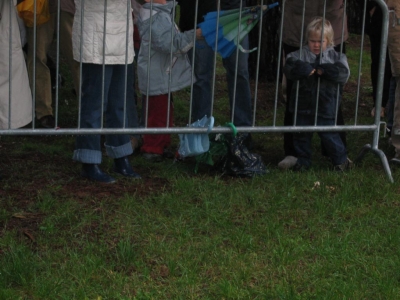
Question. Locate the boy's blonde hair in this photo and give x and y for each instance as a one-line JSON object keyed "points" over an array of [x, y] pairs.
{"points": [[318, 25]]}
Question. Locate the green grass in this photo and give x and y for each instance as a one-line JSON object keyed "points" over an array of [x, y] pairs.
{"points": [[180, 235], [276, 236]]}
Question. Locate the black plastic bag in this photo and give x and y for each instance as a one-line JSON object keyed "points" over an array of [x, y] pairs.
{"points": [[231, 155], [240, 161]]}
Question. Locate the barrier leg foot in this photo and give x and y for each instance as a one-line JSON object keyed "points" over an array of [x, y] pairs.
{"points": [[382, 157], [385, 163], [362, 153]]}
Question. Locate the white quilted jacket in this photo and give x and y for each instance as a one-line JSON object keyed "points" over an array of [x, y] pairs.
{"points": [[118, 44]]}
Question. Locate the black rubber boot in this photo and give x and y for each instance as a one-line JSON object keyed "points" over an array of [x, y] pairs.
{"points": [[93, 172], [123, 167]]}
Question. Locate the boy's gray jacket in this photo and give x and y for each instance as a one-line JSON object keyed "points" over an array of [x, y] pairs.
{"points": [[335, 73], [160, 62]]}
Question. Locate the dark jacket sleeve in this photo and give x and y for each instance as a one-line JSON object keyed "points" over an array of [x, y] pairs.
{"points": [[296, 69], [336, 72]]}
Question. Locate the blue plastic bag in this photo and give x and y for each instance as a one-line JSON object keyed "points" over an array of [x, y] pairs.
{"points": [[192, 144]]}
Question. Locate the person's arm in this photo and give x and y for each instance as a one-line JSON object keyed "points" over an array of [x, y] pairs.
{"points": [[337, 72], [296, 69], [182, 42]]}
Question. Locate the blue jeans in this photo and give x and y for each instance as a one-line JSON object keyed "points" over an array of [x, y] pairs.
{"points": [[331, 141], [131, 106], [88, 147], [203, 69], [131, 100]]}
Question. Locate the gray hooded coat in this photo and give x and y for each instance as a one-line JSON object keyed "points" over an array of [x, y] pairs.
{"points": [[160, 61]]}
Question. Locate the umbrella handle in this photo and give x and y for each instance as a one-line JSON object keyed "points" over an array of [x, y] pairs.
{"points": [[234, 130], [246, 50]]}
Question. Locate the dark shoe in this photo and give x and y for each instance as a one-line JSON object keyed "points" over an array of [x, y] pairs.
{"points": [[47, 121], [299, 167], [93, 172], [347, 165], [123, 167], [153, 157]]}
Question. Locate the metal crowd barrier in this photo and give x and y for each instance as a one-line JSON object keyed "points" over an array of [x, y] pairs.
{"points": [[273, 128]]}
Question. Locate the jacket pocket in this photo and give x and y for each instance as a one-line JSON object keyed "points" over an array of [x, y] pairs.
{"points": [[115, 39]]}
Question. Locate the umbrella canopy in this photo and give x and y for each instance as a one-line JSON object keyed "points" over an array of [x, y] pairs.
{"points": [[230, 26]]}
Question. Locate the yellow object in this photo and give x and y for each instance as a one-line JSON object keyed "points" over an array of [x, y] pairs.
{"points": [[26, 11]]}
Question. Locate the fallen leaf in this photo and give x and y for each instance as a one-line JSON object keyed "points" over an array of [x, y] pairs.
{"points": [[19, 216], [317, 184], [30, 236]]}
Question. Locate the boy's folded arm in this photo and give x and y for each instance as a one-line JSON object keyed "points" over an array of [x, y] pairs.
{"points": [[336, 72], [296, 69]]}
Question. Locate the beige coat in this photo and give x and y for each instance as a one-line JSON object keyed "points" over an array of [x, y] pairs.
{"points": [[394, 53], [116, 36], [394, 35], [21, 98], [293, 18]]}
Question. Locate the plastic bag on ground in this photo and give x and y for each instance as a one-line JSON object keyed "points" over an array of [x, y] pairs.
{"points": [[240, 161], [231, 155]]}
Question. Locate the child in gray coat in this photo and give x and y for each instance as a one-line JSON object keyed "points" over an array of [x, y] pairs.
{"points": [[156, 68]]}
